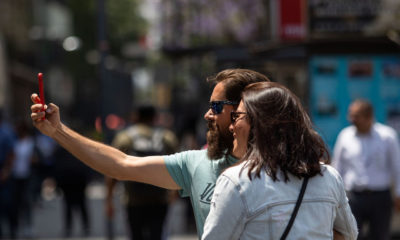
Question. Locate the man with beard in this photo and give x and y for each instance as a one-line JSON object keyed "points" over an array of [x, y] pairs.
{"points": [[193, 173]]}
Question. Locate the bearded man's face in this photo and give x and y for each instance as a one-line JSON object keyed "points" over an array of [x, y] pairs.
{"points": [[218, 142], [219, 138]]}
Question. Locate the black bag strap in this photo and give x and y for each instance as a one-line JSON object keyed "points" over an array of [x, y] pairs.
{"points": [[296, 208]]}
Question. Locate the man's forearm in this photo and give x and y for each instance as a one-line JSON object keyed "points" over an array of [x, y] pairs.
{"points": [[104, 159]]}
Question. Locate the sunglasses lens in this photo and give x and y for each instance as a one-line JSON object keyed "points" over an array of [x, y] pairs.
{"points": [[235, 116], [216, 107]]}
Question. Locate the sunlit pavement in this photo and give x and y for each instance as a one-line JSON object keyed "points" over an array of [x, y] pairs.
{"points": [[48, 217]]}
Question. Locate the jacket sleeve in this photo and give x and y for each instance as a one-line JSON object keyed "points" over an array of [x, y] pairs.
{"points": [[227, 215], [345, 222]]}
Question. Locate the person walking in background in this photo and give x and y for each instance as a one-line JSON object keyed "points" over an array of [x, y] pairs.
{"points": [[194, 173], [367, 155], [7, 206], [146, 205], [72, 177], [21, 175], [281, 159], [43, 166]]}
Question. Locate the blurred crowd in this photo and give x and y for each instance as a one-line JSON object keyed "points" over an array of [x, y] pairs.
{"points": [[26, 160], [32, 164]]}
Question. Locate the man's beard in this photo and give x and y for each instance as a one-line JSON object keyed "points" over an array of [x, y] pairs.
{"points": [[219, 144]]}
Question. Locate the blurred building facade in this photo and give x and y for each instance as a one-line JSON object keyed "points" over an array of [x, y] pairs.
{"points": [[327, 52]]}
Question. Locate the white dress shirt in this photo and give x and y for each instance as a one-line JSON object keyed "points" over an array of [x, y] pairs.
{"points": [[368, 161]]}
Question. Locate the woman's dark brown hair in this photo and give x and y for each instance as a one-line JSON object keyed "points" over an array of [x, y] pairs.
{"points": [[281, 136]]}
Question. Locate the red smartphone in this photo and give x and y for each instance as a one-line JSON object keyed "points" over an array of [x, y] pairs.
{"points": [[41, 90]]}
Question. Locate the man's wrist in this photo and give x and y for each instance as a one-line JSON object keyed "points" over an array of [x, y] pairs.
{"points": [[58, 130]]}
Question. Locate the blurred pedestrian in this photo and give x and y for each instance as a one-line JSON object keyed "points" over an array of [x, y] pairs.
{"points": [[44, 164], [367, 155], [194, 173], [146, 205], [72, 178], [7, 206], [21, 174], [281, 171]]}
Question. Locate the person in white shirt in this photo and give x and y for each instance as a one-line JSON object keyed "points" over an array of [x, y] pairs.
{"points": [[280, 153], [367, 155]]}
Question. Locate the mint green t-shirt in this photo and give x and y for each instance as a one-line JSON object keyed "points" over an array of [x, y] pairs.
{"points": [[196, 174]]}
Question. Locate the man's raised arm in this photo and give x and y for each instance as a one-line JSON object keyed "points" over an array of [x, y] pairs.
{"points": [[102, 158]]}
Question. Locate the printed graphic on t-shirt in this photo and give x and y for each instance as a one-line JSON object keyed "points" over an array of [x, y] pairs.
{"points": [[207, 194]]}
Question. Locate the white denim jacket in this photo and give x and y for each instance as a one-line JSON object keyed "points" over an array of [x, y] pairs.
{"points": [[261, 208]]}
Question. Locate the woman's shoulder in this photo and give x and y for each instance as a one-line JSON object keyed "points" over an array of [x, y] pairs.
{"points": [[328, 169], [330, 173], [235, 171], [239, 175]]}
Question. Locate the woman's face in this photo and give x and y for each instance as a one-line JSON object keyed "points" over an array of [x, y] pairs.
{"points": [[240, 127]]}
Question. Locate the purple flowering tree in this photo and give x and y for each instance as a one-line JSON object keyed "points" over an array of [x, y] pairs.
{"points": [[198, 23]]}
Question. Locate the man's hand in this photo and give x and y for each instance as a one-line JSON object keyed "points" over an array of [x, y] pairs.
{"points": [[337, 235], [109, 205], [4, 174], [397, 204], [51, 115], [109, 208]]}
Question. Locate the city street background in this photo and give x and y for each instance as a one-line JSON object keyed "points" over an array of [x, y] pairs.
{"points": [[48, 217], [101, 59]]}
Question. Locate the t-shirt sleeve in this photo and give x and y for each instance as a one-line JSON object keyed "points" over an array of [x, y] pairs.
{"points": [[177, 166]]}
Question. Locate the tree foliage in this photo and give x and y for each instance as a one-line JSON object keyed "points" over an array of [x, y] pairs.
{"points": [[123, 22]]}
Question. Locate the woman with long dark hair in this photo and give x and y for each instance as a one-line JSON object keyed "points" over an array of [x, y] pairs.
{"points": [[282, 186]]}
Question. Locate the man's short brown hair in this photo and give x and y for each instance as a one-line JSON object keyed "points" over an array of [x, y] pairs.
{"points": [[235, 80]]}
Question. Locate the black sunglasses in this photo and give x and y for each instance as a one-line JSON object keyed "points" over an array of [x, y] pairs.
{"points": [[235, 115], [217, 106]]}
